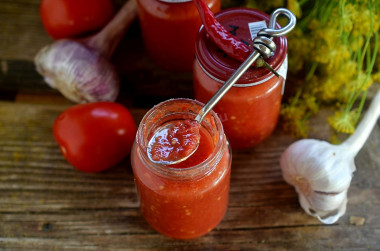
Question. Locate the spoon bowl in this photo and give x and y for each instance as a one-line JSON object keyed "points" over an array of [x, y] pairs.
{"points": [[174, 142]]}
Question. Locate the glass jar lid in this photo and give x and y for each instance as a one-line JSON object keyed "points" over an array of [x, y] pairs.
{"points": [[237, 21]]}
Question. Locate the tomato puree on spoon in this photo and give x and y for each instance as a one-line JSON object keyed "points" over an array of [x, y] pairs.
{"points": [[177, 140]]}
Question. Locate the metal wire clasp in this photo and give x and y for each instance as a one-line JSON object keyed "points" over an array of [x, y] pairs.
{"points": [[263, 42]]}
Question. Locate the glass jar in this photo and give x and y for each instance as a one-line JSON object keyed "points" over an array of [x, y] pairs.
{"points": [[188, 199], [249, 111], [169, 29]]}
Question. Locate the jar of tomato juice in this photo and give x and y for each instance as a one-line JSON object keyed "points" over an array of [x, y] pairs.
{"points": [[169, 29], [250, 109], [188, 199]]}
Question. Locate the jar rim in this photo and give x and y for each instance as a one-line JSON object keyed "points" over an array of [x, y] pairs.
{"points": [[144, 134], [215, 63]]}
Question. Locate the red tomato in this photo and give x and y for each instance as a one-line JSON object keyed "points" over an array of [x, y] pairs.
{"points": [[95, 136], [71, 18]]}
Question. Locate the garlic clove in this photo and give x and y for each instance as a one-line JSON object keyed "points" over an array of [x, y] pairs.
{"points": [[327, 208], [80, 74]]}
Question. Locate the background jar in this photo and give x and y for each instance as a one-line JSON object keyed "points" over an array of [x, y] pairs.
{"points": [[178, 201], [169, 29], [250, 109]]}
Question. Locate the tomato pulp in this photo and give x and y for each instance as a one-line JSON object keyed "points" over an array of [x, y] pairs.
{"points": [[249, 114], [169, 30], [249, 111], [188, 199], [175, 141]]}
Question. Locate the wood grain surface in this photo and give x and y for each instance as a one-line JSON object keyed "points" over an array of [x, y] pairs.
{"points": [[46, 204]]}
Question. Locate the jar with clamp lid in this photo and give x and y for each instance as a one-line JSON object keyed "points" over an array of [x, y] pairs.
{"points": [[250, 110]]}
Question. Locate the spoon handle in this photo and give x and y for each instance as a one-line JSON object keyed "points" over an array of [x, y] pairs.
{"points": [[265, 46], [227, 85]]}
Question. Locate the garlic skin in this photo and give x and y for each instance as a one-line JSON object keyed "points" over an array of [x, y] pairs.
{"points": [[321, 172], [80, 74]]}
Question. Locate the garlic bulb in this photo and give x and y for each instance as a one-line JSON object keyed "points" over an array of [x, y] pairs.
{"points": [[79, 73], [80, 69], [321, 172]]}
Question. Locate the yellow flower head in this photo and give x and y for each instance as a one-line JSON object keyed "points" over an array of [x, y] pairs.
{"points": [[311, 103], [314, 24], [337, 57], [297, 128], [363, 23], [295, 7], [361, 83], [343, 121], [349, 17], [331, 52], [328, 34], [329, 89]]}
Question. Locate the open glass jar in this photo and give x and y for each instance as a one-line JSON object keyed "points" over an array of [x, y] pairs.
{"points": [[169, 29], [188, 199], [249, 111]]}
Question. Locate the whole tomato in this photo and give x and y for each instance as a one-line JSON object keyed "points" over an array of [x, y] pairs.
{"points": [[71, 18], [95, 136]]}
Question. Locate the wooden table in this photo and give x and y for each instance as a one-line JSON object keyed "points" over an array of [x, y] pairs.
{"points": [[45, 204]]}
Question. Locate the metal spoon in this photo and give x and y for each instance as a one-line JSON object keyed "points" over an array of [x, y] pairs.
{"points": [[264, 46]]}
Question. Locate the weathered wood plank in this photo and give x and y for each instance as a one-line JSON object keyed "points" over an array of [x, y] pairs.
{"points": [[292, 238], [45, 204]]}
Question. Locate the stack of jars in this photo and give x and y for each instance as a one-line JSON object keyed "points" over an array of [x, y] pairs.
{"points": [[189, 199]]}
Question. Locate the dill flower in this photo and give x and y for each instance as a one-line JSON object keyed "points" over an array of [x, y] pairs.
{"points": [[294, 6], [292, 120], [313, 24], [343, 121], [329, 89], [293, 112], [265, 5], [340, 54], [303, 47], [333, 60], [363, 22], [297, 128], [362, 83], [311, 103], [348, 16], [344, 45]]}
